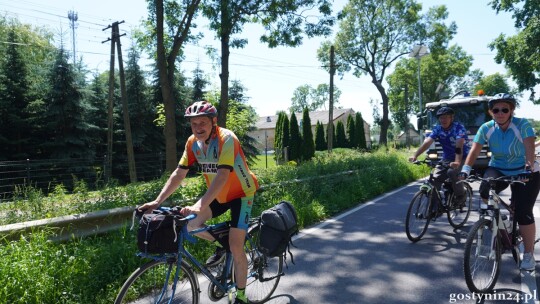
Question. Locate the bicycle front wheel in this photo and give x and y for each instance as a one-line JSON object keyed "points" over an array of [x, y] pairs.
{"points": [[418, 216], [458, 213], [264, 272], [149, 285], [481, 260]]}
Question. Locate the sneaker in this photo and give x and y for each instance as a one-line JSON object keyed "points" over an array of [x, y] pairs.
{"points": [[528, 262], [238, 301], [216, 258]]}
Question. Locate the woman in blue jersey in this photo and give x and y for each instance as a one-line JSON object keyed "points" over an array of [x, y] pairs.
{"points": [[511, 142]]}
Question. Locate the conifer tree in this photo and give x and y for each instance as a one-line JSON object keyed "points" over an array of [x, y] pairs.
{"points": [[320, 142], [295, 141], [14, 88], [285, 137], [351, 130], [360, 132], [308, 145], [341, 139]]}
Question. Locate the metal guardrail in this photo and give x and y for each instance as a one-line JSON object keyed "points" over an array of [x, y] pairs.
{"points": [[103, 221]]}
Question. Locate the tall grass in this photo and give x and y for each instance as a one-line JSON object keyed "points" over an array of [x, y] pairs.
{"points": [[34, 269]]}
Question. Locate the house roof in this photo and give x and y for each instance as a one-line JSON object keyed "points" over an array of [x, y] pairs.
{"points": [[269, 122]]}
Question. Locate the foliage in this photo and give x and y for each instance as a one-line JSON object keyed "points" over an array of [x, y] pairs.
{"points": [[242, 119], [437, 71], [295, 141], [284, 22], [320, 142], [199, 83], [520, 52], [167, 28], [373, 34], [308, 145], [341, 138], [306, 96], [92, 269], [360, 132], [351, 132]]}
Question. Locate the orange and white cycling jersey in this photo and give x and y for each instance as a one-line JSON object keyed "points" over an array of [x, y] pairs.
{"points": [[223, 151]]}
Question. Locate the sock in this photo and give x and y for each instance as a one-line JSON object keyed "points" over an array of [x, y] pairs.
{"points": [[241, 294], [217, 244]]}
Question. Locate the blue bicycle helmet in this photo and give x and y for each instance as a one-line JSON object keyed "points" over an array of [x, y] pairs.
{"points": [[502, 97], [445, 111]]}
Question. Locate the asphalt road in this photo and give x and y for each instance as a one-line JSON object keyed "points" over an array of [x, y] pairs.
{"points": [[364, 256]]}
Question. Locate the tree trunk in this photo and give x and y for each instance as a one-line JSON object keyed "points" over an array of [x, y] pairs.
{"points": [[224, 76], [383, 138]]}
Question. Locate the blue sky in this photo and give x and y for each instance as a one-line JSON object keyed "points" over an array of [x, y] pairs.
{"points": [[270, 75]]}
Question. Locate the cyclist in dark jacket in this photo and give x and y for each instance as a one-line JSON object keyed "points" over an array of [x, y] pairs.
{"points": [[452, 136]]}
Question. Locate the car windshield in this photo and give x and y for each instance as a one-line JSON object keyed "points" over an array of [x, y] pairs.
{"points": [[472, 116]]}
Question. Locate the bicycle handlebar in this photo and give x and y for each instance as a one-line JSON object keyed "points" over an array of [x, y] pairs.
{"points": [[510, 179]]}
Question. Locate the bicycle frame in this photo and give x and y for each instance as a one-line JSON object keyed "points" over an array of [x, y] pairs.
{"points": [[186, 235]]}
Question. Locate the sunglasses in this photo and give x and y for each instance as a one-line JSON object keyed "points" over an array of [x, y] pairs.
{"points": [[504, 110]]}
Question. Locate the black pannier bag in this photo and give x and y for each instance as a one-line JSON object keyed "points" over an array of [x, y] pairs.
{"points": [[278, 225], [158, 233]]}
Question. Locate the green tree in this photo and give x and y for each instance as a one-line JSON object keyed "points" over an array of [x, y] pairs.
{"points": [[521, 52], [98, 101], [341, 138], [295, 152], [306, 96], [360, 131], [351, 131], [284, 21], [175, 18], [320, 142], [437, 71], [285, 137], [308, 145], [373, 34], [14, 99], [63, 120], [494, 84], [278, 133], [199, 83]]}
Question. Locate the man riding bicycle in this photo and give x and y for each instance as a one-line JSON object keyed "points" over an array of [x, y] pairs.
{"points": [[231, 185], [452, 136]]}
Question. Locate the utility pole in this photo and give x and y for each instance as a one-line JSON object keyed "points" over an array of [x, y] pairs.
{"points": [[115, 39], [72, 16], [330, 127]]}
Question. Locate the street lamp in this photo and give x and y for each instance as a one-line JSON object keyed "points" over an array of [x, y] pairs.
{"points": [[418, 52]]}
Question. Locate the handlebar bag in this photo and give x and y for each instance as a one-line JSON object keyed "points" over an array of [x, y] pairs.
{"points": [[157, 234]]}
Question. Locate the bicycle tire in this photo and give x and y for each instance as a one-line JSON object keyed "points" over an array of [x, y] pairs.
{"points": [[145, 284], [418, 216], [264, 272], [458, 215], [480, 267]]}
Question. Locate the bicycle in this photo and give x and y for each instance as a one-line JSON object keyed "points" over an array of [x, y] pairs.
{"points": [[430, 203], [491, 236], [170, 278]]}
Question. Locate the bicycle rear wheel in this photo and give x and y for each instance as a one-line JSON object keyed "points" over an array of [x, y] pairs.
{"points": [[148, 285], [264, 272], [458, 214], [418, 216], [480, 261]]}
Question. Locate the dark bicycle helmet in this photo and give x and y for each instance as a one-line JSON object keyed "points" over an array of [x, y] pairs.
{"points": [[445, 111], [201, 108], [502, 97]]}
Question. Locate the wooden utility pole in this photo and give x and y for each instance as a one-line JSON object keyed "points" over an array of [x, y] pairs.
{"points": [[115, 39], [330, 127]]}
